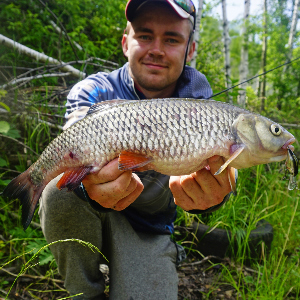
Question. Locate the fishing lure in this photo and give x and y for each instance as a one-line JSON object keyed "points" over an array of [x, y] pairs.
{"points": [[291, 164]]}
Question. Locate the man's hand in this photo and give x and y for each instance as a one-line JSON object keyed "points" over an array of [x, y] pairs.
{"points": [[113, 188], [201, 189]]}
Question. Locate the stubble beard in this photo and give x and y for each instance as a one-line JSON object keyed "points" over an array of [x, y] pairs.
{"points": [[158, 84]]}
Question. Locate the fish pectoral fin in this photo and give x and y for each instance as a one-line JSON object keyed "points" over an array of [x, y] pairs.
{"points": [[232, 176], [73, 177], [133, 161], [235, 154]]}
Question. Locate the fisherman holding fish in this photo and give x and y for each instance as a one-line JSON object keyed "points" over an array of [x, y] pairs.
{"points": [[129, 215]]}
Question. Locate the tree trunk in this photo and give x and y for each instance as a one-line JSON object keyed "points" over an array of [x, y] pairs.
{"points": [[197, 32], [262, 82], [226, 51], [292, 34], [289, 53], [244, 56], [40, 56]]}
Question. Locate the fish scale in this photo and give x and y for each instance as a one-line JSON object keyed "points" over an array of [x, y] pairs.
{"points": [[149, 130], [170, 136]]}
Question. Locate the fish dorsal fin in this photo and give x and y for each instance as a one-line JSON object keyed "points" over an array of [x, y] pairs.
{"points": [[104, 105], [234, 155]]}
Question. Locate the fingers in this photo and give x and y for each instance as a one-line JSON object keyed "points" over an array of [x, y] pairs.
{"points": [[113, 188], [109, 172], [202, 189], [181, 198], [126, 201], [208, 181]]}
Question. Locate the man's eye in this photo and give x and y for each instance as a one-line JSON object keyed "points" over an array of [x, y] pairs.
{"points": [[172, 41], [144, 37]]}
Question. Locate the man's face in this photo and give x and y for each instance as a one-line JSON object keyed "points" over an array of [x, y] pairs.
{"points": [[155, 47]]}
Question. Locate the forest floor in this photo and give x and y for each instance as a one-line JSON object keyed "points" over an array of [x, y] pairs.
{"points": [[198, 279]]}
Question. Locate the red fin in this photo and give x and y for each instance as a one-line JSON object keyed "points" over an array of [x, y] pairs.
{"points": [[133, 161], [72, 177]]}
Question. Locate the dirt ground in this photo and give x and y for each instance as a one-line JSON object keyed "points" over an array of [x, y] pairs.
{"points": [[198, 279]]}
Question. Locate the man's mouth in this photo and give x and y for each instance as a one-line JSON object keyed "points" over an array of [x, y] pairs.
{"points": [[155, 66]]}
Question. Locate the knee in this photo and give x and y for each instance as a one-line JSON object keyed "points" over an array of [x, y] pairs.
{"points": [[53, 200]]}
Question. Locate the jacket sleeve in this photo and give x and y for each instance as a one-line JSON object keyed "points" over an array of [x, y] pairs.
{"points": [[84, 94]]}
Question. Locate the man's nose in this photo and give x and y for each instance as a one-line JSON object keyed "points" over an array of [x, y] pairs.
{"points": [[157, 48]]}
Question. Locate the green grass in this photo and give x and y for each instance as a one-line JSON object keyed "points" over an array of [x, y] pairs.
{"points": [[261, 194]]}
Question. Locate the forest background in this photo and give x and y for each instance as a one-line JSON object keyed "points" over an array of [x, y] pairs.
{"points": [[86, 35]]}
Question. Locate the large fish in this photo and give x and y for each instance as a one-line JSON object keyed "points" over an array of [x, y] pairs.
{"points": [[170, 136]]}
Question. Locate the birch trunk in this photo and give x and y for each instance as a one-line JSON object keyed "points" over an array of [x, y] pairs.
{"points": [[292, 34], [263, 81], [197, 32], [281, 91], [39, 56], [226, 51], [244, 57]]}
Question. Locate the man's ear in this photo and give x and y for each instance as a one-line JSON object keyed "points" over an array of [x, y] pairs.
{"points": [[124, 44], [191, 51]]}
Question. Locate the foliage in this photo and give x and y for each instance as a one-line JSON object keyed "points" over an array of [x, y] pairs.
{"points": [[29, 116], [98, 28]]}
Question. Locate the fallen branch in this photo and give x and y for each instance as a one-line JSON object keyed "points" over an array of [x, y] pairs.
{"points": [[249, 270], [16, 216], [10, 170], [27, 79], [12, 67], [56, 126], [51, 124], [39, 56], [33, 276], [8, 137], [60, 66], [88, 60], [202, 261], [290, 125], [41, 104]]}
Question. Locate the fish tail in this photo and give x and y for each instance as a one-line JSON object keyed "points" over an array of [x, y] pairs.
{"points": [[23, 189]]}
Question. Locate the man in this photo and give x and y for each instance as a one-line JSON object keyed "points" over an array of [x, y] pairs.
{"points": [[129, 216]]}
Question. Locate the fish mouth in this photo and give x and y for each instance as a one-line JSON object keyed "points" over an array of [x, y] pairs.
{"points": [[289, 143]]}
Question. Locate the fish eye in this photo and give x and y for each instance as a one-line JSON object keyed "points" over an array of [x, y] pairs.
{"points": [[275, 129]]}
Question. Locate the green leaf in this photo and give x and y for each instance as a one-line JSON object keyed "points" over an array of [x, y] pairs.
{"points": [[45, 256], [4, 182], [4, 127], [14, 133], [3, 162], [249, 279], [2, 94], [5, 106]]}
